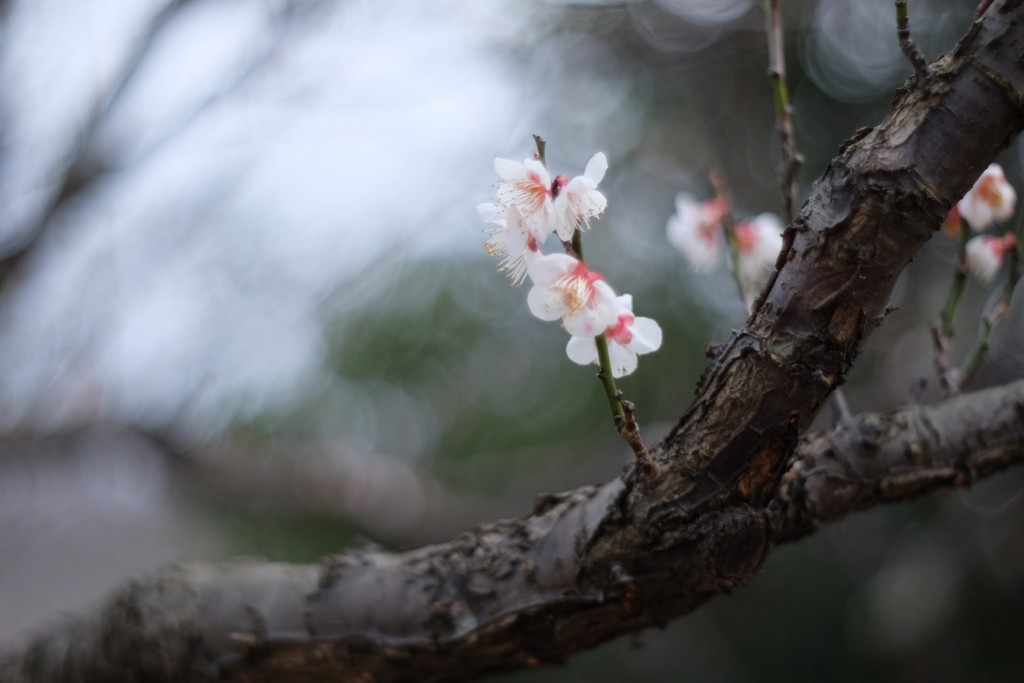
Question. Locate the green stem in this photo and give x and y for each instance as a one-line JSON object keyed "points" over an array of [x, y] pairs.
{"points": [[956, 288], [980, 347], [607, 379], [901, 11], [996, 313], [577, 244], [603, 359]]}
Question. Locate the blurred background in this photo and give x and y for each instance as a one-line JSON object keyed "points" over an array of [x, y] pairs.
{"points": [[244, 307]]}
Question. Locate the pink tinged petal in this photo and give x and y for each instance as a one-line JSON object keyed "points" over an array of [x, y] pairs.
{"points": [[596, 168], [538, 173], [991, 198], [622, 331], [581, 350], [646, 335], [623, 360], [984, 257]]}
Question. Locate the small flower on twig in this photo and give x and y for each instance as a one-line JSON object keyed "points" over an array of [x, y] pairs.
{"points": [[696, 230], [985, 255], [563, 287], [991, 199], [629, 337]]}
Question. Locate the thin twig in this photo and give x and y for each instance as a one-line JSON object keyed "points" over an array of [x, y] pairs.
{"points": [[791, 160], [995, 314], [720, 186], [956, 287], [907, 44], [621, 410], [629, 430], [541, 144], [949, 376]]}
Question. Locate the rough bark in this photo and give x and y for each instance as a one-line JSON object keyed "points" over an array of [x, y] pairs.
{"points": [[481, 602], [602, 561]]}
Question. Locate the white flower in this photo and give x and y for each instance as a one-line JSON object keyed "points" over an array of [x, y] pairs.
{"points": [[629, 337], [991, 199], [563, 287], [560, 205], [985, 255], [527, 187], [758, 242], [510, 241], [695, 229], [577, 200]]}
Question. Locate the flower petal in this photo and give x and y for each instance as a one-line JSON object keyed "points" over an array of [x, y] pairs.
{"points": [[596, 167], [508, 169], [545, 303], [646, 335], [623, 360], [586, 322], [581, 350], [492, 213], [550, 268]]}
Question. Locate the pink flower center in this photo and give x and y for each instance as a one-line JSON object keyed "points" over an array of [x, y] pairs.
{"points": [[558, 184], [988, 191], [711, 214], [530, 193], [746, 236], [577, 287], [1000, 245], [621, 331]]}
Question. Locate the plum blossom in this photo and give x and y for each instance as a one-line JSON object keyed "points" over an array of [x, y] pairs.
{"points": [[579, 200], [696, 230], [563, 287], [985, 254], [628, 337], [758, 241], [528, 187], [560, 205], [991, 199], [510, 241]]}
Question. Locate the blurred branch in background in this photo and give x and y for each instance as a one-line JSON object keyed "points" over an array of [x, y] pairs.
{"points": [[81, 167], [86, 163]]}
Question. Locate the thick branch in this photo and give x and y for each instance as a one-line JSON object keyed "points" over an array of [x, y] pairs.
{"points": [[879, 458], [492, 599]]}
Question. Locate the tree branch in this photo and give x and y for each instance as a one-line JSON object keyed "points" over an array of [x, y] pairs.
{"points": [[880, 458], [494, 598], [598, 562]]}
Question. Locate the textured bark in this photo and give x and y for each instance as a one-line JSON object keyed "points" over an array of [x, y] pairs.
{"points": [[482, 602], [602, 561]]}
